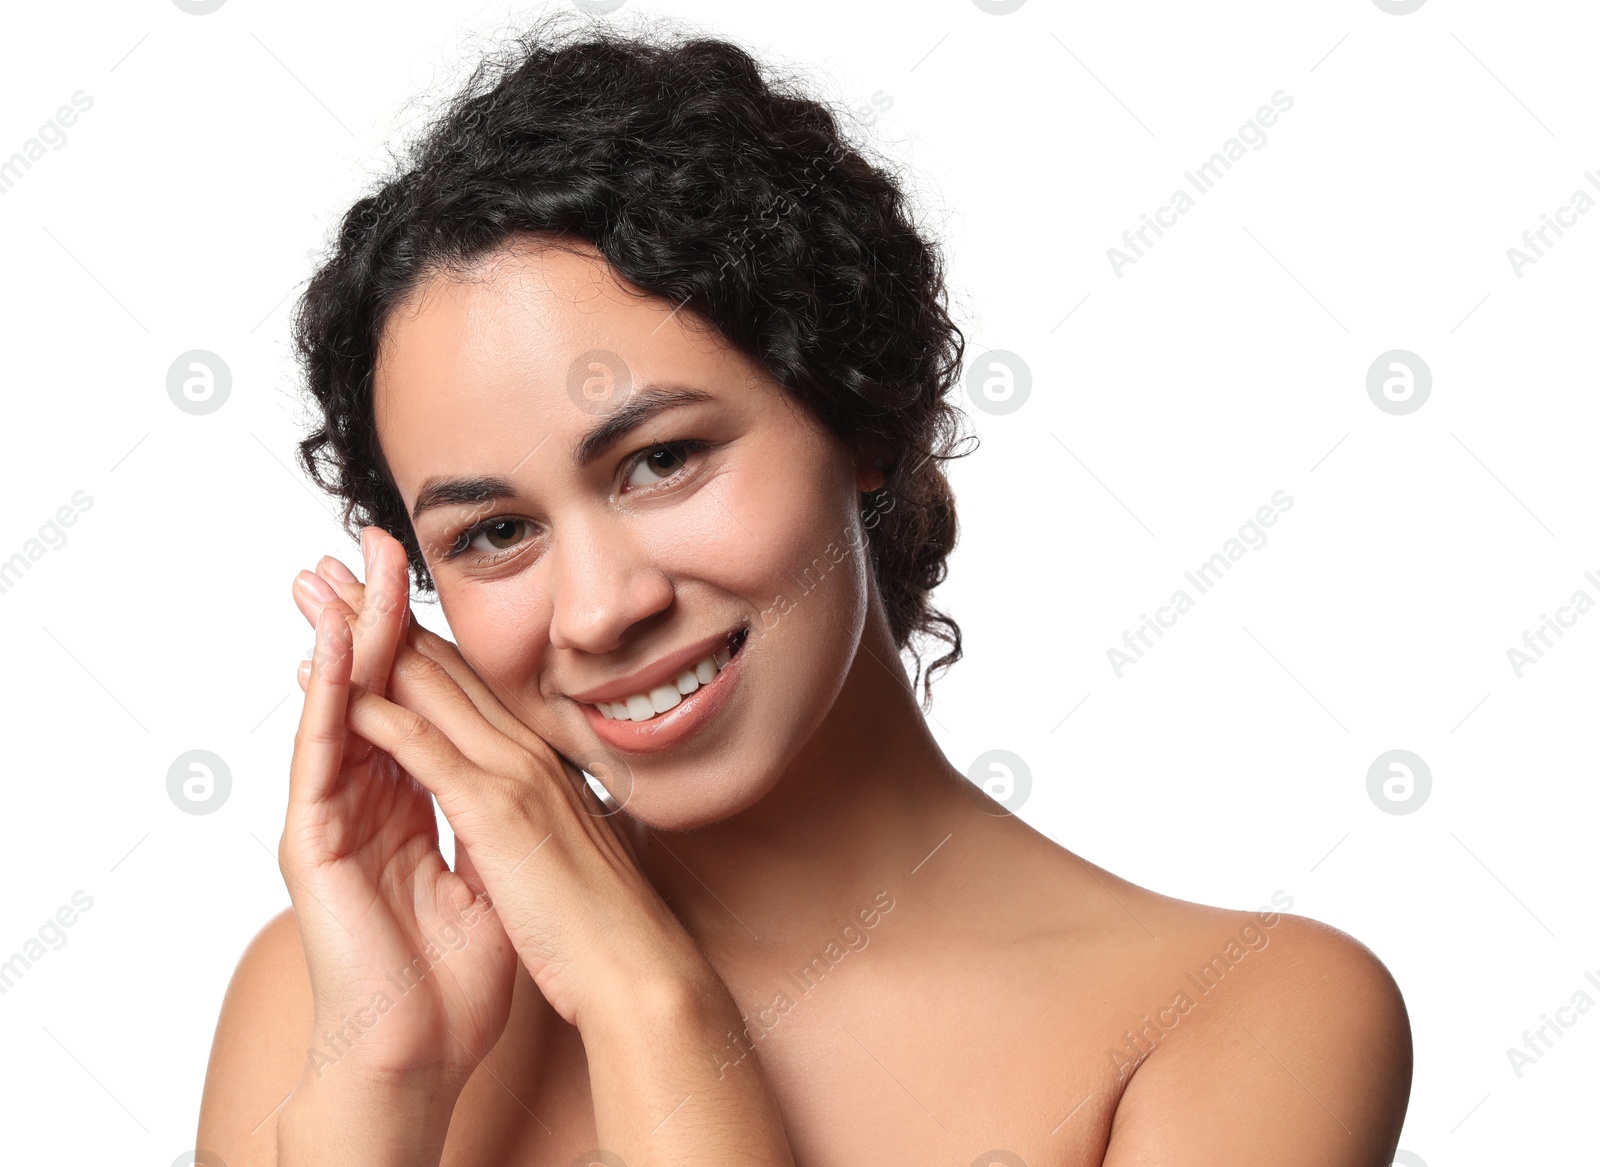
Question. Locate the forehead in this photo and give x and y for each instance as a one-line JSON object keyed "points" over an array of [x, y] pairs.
{"points": [[476, 368]]}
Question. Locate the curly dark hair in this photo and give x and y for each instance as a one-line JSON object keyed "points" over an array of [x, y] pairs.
{"points": [[706, 185]]}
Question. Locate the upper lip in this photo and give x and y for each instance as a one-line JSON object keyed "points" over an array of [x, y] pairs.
{"points": [[661, 671]]}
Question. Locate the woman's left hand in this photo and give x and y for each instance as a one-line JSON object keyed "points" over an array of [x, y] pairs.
{"points": [[564, 880]]}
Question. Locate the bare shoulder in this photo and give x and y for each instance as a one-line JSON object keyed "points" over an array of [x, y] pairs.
{"points": [[1284, 1040], [1226, 1036], [259, 1051]]}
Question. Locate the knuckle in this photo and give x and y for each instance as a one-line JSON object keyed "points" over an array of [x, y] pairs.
{"points": [[288, 859], [416, 666], [415, 729], [512, 796], [310, 736], [444, 648], [520, 766]]}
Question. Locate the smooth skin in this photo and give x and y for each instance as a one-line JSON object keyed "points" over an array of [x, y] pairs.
{"points": [[361, 855], [806, 938]]}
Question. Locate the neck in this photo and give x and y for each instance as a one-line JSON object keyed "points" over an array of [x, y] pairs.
{"points": [[864, 803]]}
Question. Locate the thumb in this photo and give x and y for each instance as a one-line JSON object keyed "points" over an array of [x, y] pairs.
{"points": [[468, 871]]}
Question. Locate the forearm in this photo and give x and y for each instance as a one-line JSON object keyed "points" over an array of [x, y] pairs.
{"points": [[664, 1094], [339, 1120]]}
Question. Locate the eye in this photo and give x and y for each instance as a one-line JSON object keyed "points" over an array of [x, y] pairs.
{"points": [[502, 535], [661, 462], [499, 538]]}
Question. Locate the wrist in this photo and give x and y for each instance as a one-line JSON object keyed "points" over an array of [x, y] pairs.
{"points": [[654, 999], [398, 1121]]}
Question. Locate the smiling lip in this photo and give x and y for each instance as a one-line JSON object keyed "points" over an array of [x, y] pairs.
{"points": [[683, 720], [659, 672]]}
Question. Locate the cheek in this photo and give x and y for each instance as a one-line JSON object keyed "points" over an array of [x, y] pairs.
{"points": [[764, 536], [499, 633], [790, 559]]}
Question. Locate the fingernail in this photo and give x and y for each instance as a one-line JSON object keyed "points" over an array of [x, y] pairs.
{"points": [[304, 672], [315, 586], [338, 570], [366, 547]]}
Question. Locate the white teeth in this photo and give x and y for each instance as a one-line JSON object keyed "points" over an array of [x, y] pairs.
{"points": [[644, 706], [664, 697]]}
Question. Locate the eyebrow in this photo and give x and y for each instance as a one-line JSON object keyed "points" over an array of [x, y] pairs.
{"points": [[644, 403]]}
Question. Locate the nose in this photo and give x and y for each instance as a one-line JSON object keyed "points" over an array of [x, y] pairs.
{"points": [[603, 583]]}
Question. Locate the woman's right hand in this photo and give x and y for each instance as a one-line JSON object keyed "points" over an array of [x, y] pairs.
{"points": [[411, 971]]}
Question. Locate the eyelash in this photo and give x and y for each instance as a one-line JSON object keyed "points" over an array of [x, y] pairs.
{"points": [[685, 447]]}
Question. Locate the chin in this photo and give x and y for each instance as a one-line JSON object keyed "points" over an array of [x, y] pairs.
{"points": [[697, 796]]}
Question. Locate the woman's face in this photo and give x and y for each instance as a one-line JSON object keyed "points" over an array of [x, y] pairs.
{"points": [[528, 415]]}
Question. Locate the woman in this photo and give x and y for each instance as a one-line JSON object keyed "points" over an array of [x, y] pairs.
{"points": [[643, 370]]}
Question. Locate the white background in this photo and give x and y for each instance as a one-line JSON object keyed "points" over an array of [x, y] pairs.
{"points": [[1167, 404]]}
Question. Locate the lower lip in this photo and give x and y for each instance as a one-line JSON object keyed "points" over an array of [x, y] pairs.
{"points": [[688, 717]]}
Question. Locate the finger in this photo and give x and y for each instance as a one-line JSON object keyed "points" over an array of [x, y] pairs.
{"points": [[382, 616], [466, 679], [379, 616], [416, 648], [342, 580], [445, 653], [513, 716], [425, 752], [308, 597], [353, 592], [424, 686], [468, 871], [319, 739], [312, 595]]}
